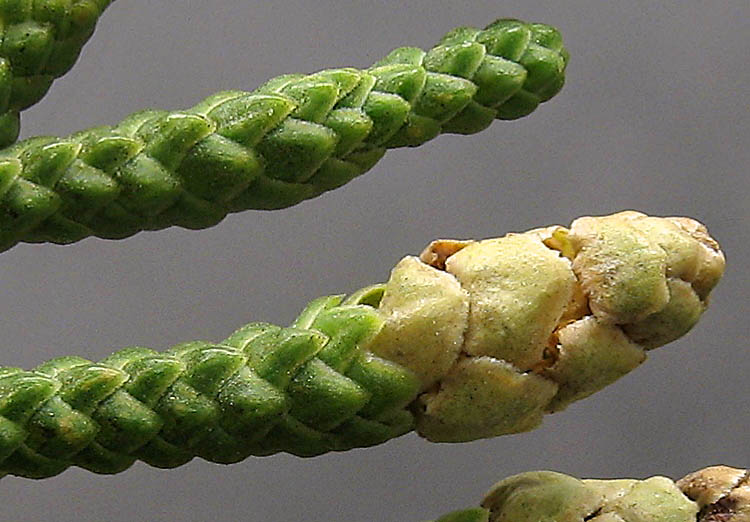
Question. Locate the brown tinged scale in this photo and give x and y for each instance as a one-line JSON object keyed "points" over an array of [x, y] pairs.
{"points": [[722, 493]]}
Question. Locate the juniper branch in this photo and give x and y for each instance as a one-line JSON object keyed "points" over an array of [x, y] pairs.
{"points": [[472, 339], [40, 42], [292, 139]]}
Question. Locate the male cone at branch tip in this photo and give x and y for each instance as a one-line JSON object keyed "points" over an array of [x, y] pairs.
{"points": [[473, 339], [529, 323]]}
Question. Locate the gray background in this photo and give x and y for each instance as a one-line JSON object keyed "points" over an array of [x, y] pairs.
{"points": [[654, 117]]}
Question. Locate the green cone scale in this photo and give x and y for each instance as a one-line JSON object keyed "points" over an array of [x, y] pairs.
{"points": [[472, 339], [39, 42], [291, 139], [713, 494]]}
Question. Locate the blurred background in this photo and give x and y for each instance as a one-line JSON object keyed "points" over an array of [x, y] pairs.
{"points": [[654, 117]]}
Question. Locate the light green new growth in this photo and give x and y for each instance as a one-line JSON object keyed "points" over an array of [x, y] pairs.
{"points": [[40, 41], [473, 339], [292, 139], [714, 494]]}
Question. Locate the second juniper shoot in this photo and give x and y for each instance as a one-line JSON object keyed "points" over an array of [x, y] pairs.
{"points": [[471, 339]]}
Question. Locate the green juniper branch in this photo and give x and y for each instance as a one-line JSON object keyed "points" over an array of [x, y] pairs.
{"points": [[713, 494], [472, 339], [40, 42], [292, 139]]}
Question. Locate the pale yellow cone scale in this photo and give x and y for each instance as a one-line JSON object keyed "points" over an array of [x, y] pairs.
{"points": [[656, 499], [583, 367], [425, 314], [621, 271], [679, 315], [540, 496], [484, 397], [518, 290], [709, 259]]}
